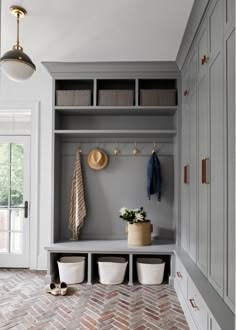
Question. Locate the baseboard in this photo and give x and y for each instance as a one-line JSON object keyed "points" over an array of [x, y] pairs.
{"points": [[171, 280], [42, 261], [185, 308]]}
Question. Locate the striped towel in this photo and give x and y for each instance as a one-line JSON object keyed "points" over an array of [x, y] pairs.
{"points": [[77, 203]]}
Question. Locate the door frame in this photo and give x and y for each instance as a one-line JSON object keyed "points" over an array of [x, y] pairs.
{"points": [[33, 107]]}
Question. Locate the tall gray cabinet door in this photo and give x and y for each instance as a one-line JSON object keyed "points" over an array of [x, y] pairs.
{"points": [[193, 174], [230, 231], [185, 162], [217, 162], [193, 155], [193, 70], [217, 213], [202, 48], [215, 25], [229, 12], [203, 152]]}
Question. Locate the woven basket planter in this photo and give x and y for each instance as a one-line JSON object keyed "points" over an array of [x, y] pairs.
{"points": [[139, 233]]}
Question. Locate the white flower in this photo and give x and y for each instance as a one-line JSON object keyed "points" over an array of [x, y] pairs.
{"points": [[139, 217], [123, 210]]}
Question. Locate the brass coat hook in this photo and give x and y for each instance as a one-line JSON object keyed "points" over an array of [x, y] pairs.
{"points": [[116, 150], [154, 147], [135, 150]]}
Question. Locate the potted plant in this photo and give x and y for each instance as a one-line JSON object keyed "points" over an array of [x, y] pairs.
{"points": [[139, 228]]}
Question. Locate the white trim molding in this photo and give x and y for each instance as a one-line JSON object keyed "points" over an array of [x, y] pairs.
{"points": [[34, 108]]}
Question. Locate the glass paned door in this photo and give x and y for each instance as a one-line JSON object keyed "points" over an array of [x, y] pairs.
{"points": [[14, 201]]}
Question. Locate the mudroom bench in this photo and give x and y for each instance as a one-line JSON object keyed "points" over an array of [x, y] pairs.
{"points": [[92, 249]]}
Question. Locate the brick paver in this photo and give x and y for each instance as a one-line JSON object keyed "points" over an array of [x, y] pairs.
{"points": [[24, 304]]}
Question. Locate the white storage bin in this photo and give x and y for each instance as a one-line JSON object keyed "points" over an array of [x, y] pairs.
{"points": [[111, 269], [71, 269], [150, 270]]}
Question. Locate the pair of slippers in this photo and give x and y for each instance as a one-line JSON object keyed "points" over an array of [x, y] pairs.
{"points": [[55, 290]]}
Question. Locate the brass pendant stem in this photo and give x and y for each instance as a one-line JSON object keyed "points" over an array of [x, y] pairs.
{"points": [[19, 12], [17, 35]]}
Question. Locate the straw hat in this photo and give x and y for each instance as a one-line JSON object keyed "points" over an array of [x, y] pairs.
{"points": [[97, 159]]}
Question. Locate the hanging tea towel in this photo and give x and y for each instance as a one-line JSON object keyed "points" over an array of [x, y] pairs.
{"points": [[77, 203], [154, 177]]}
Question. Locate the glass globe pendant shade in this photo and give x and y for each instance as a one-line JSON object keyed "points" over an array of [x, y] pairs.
{"points": [[17, 65]]}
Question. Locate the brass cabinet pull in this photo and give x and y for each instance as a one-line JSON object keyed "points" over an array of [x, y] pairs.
{"points": [[186, 174], [192, 302], [205, 59], [205, 171], [179, 274]]}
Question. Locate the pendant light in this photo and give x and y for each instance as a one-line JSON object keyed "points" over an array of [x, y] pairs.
{"points": [[15, 63]]}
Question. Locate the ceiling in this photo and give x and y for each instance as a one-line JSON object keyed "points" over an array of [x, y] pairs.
{"points": [[97, 30]]}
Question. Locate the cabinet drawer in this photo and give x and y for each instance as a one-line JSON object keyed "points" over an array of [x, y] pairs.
{"points": [[181, 278], [196, 306]]}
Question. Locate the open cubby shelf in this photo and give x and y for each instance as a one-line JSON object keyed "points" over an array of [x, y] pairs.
{"points": [[118, 93], [93, 249]]}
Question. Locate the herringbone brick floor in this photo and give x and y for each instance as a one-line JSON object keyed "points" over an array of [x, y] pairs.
{"points": [[24, 304]]}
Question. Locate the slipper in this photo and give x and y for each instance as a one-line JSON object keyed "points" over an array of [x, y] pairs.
{"points": [[64, 288], [52, 288]]}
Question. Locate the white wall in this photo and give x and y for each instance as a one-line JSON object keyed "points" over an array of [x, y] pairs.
{"points": [[37, 89]]}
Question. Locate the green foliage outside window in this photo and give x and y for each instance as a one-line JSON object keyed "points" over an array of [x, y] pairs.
{"points": [[11, 174]]}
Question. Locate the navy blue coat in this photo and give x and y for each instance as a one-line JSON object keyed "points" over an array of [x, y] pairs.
{"points": [[154, 177]]}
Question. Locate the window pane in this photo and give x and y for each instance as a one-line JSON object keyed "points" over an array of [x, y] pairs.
{"points": [[16, 242], [4, 153], [16, 196], [4, 191], [17, 153], [16, 220], [4, 236], [4, 220], [16, 175], [4, 175]]}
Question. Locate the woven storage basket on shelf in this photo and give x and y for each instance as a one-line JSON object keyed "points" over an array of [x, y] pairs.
{"points": [[139, 233], [82, 97], [107, 97], [149, 97], [125, 97], [167, 97], [64, 97], [115, 97]]}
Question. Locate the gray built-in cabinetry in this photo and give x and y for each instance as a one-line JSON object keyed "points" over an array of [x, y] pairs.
{"points": [[195, 138], [125, 104], [208, 149], [128, 121]]}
